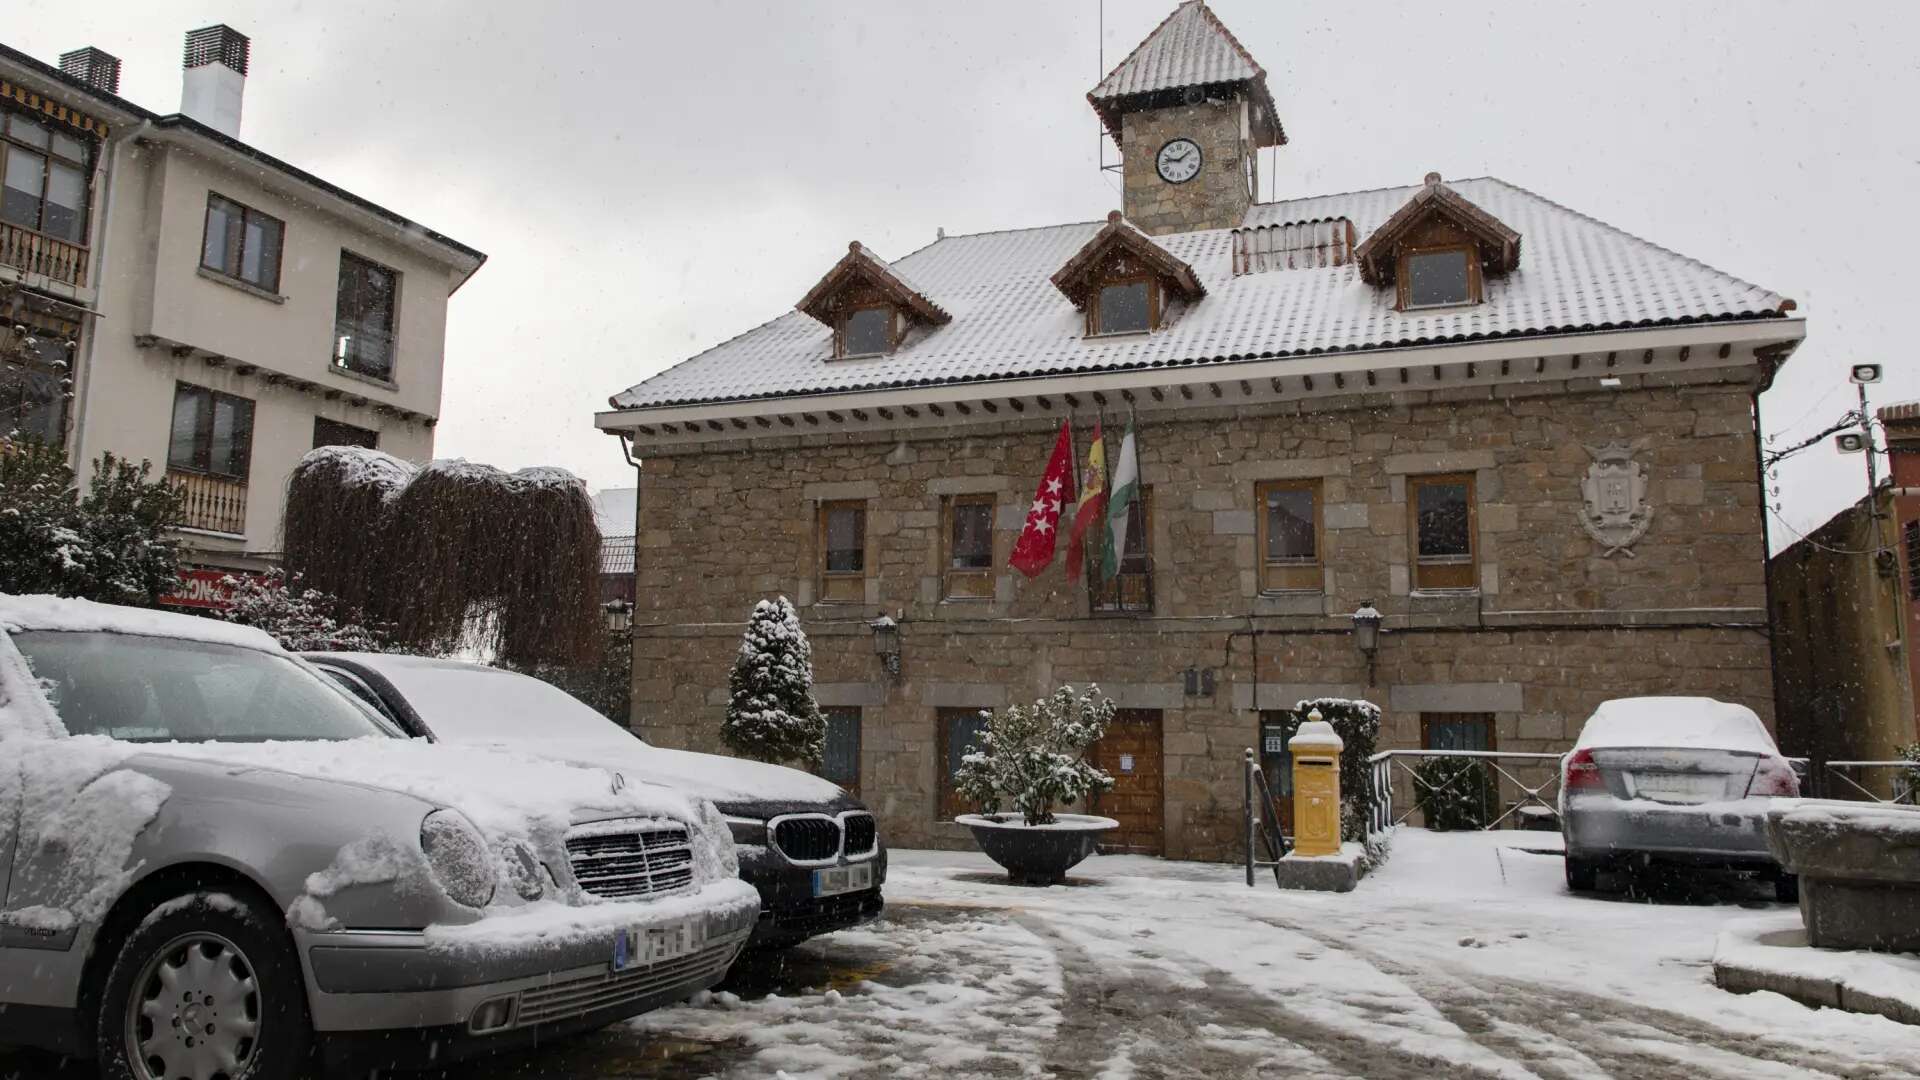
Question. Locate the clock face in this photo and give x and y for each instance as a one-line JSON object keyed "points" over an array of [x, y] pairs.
{"points": [[1178, 161]]}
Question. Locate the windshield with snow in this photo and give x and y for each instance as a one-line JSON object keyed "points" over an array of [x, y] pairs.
{"points": [[154, 689], [462, 703]]}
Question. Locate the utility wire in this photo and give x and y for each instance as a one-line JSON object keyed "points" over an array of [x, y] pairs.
{"points": [[1770, 458]]}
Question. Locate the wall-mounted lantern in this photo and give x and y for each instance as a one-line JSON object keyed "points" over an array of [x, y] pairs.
{"points": [[619, 615], [886, 643], [1366, 633]]}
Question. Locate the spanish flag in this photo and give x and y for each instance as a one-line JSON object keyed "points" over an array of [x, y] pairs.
{"points": [[1093, 502]]}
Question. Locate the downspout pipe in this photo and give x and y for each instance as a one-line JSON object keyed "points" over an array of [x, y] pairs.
{"points": [[103, 227]]}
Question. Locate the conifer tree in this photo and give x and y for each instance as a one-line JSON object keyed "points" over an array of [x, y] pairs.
{"points": [[771, 714]]}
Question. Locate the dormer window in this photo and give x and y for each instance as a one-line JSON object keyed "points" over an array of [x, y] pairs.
{"points": [[866, 331], [1438, 277], [1437, 250], [870, 307], [1123, 307], [1124, 282]]}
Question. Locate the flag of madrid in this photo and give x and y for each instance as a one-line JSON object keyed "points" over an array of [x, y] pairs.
{"points": [[1033, 552]]}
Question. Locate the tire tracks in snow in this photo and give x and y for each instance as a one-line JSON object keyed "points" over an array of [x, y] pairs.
{"points": [[1568, 1033]]}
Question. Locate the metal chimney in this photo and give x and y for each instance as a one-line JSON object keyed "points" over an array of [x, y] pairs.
{"points": [[215, 77], [95, 68]]}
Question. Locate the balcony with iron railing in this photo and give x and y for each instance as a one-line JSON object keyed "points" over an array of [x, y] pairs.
{"points": [[214, 504], [1129, 592], [37, 253]]}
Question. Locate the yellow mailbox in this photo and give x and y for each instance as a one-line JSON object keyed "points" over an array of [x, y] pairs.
{"points": [[1316, 787]]}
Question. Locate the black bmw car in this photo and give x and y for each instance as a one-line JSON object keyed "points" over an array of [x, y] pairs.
{"points": [[812, 850]]}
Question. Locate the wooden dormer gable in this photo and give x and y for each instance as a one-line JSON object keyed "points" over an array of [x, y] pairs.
{"points": [[1119, 252], [862, 281], [1437, 218]]}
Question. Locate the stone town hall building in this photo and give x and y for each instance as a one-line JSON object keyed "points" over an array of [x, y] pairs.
{"points": [[1526, 436]]}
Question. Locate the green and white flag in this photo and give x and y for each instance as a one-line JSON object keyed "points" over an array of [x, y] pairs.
{"points": [[1125, 489]]}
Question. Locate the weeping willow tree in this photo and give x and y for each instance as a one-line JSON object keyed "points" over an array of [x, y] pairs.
{"points": [[454, 555]]}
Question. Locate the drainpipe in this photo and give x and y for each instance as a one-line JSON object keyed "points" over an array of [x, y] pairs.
{"points": [[103, 222]]}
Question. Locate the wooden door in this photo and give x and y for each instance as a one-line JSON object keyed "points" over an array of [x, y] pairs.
{"points": [[1131, 753]]}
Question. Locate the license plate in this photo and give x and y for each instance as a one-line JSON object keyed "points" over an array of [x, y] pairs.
{"points": [[642, 946], [1677, 786], [835, 880]]}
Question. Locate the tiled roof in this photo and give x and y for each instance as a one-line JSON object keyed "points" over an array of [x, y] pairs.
{"points": [[1009, 321], [1190, 48]]}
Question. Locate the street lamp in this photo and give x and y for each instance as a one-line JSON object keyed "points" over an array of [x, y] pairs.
{"points": [[886, 643], [1366, 633], [619, 614]]}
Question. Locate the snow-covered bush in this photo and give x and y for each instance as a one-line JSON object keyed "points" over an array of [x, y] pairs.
{"points": [[1909, 779], [771, 714], [1034, 757], [300, 619], [1358, 725], [1456, 793], [109, 545]]}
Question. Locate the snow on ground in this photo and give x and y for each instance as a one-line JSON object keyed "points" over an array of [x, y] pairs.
{"points": [[1464, 954]]}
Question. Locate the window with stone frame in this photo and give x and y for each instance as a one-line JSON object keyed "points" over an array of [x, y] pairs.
{"points": [[955, 731], [841, 761], [45, 172], [843, 551], [34, 378], [242, 243], [334, 433], [1442, 532], [1129, 592], [968, 562], [1289, 536], [1456, 731], [866, 331]]}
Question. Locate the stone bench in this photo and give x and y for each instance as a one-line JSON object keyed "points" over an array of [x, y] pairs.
{"points": [[1859, 869]]}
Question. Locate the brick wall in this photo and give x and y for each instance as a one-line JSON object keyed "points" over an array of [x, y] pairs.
{"points": [[1555, 629]]}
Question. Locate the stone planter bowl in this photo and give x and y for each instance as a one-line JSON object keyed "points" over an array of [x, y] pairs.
{"points": [[1859, 867], [1037, 854]]}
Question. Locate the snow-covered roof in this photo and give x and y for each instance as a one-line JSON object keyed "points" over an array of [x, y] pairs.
{"points": [[1579, 275], [39, 612], [613, 510], [1190, 47]]}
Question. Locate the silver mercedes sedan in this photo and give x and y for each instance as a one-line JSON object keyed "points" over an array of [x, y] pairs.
{"points": [[215, 864]]}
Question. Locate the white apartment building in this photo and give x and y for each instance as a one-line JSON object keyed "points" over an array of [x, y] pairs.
{"points": [[203, 305]]}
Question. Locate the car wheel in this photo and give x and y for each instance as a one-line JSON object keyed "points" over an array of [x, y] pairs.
{"points": [[1583, 875], [1786, 888], [206, 988]]}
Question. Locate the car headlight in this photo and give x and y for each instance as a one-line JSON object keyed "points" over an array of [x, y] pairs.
{"points": [[747, 830], [458, 857]]}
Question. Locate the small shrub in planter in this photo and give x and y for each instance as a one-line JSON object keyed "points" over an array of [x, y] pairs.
{"points": [[1035, 756], [1358, 725], [1457, 793]]}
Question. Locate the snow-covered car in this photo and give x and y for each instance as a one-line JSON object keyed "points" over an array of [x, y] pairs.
{"points": [[214, 864], [1682, 780], [812, 850]]}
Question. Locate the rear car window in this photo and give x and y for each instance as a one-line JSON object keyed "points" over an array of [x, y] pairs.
{"points": [[154, 689]]}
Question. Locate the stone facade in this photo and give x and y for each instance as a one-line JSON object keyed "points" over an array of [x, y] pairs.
{"points": [[1218, 197], [1554, 628]]}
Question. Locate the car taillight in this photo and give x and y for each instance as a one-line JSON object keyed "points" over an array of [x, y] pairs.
{"points": [[1775, 776], [1582, 773]]}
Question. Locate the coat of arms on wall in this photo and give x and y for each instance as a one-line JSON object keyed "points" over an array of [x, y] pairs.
{"points": [[1616, 513]]}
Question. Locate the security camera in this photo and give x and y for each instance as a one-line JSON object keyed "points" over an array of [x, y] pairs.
{"points": [[1850, 442], [1865, 373]]}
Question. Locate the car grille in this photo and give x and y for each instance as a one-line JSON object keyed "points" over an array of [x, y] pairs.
{"points": [[624, 861], [860, 833], [807, 839], [592, 993]]}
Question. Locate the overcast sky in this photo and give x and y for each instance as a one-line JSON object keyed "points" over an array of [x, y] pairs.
{"points": [[650, 179]]}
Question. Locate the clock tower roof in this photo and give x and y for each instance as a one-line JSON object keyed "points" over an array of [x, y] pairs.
{"points": [[1189, 53]]}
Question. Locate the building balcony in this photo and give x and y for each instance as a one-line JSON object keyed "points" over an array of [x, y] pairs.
{"points": [[37, 253], [1129, 593], [210, 503]]}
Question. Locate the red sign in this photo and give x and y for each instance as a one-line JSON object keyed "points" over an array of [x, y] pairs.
{"points": [[201, 588]]}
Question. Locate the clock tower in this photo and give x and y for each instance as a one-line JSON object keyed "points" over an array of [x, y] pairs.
{"points": [[1189, 108]]}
